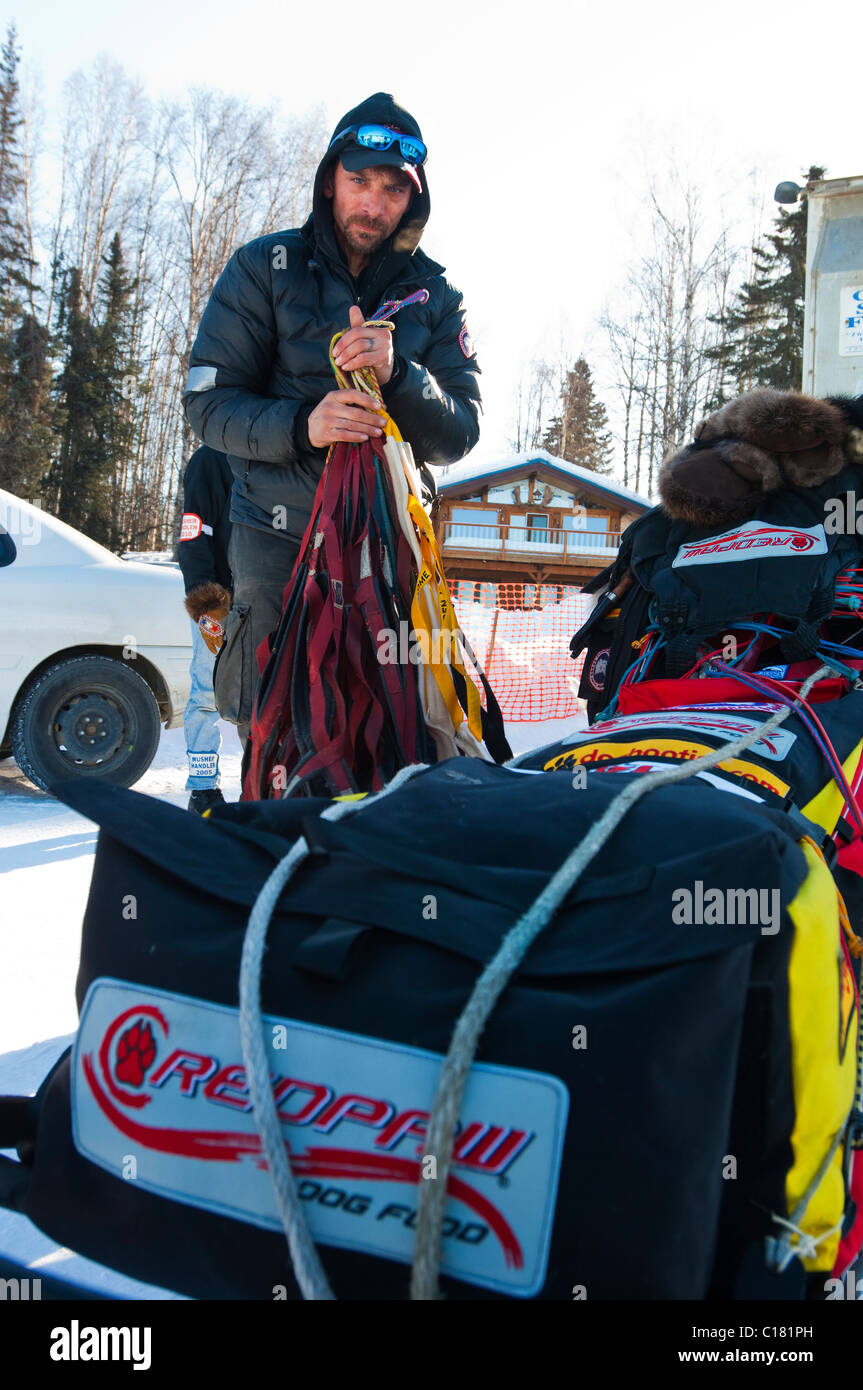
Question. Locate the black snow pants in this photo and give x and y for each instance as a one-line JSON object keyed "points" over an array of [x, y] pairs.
{"points": [[261, 564]]}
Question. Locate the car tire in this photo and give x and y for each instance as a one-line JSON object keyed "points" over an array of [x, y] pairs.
{"points": [[85, 716]]}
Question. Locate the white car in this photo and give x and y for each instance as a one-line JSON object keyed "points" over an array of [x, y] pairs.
{"points": [[94, 652]]}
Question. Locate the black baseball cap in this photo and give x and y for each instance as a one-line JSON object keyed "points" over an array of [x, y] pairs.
{"points": [[379, 109]]}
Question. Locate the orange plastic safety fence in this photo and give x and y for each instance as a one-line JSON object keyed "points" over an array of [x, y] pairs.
{"points": [[520, 634]]}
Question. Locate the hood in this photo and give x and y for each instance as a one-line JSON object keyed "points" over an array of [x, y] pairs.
{"points": [[383, 109]]}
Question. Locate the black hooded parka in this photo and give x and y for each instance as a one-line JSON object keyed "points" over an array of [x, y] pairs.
{"points": [[260, 363]]}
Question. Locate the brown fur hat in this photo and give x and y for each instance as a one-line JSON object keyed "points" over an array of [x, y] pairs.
{"points": [[851, 408], [208, 598], [722, 483], [777, 421], [758, 443]]}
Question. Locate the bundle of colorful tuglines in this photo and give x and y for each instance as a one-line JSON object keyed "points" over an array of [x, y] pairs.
{"points": [[334, 713]]}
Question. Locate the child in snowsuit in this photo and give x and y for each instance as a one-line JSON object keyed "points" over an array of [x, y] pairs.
{"points": [[203, 555]]}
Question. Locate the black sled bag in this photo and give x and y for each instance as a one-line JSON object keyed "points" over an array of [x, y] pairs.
{"points": [[785, 767], [591, 1157], [696, 582]]}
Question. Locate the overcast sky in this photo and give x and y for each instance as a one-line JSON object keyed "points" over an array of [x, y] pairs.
{"points": [[544, 121]]}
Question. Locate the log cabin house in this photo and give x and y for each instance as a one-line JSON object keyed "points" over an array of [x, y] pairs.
{"points": [[530, 520]]}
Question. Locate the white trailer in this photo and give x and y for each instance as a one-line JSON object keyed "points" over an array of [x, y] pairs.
{"points": [[833, 325]]}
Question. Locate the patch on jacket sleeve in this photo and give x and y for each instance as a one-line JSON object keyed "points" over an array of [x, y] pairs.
{"points": [[192, 527], [465, 342], [598, 668]]}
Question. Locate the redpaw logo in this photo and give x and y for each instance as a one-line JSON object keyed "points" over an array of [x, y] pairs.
{"points": [[126, 1053], [165, 1072], [749, 537], [126, 1057], [136, 1053]]}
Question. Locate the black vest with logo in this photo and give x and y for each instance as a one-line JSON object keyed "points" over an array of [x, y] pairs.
{"points": [[783, 561]]}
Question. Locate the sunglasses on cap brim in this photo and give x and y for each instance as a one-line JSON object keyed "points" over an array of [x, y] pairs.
{"points": [[380, 137]]}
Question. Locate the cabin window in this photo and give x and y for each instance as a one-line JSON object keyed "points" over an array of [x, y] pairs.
{"points": [[593, 529], [475, 525]]}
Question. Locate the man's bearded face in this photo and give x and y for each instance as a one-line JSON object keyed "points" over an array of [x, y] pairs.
{"points": [[368, 204]]}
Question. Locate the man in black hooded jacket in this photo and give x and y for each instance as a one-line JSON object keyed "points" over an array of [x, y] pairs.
{"points": [[260, 383]]}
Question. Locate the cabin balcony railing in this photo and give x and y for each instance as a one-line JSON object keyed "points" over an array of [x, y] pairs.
{"points": [[515, 541]]}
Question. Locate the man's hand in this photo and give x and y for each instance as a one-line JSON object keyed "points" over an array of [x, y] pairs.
{"points": [[347, 416], [365, 347]]}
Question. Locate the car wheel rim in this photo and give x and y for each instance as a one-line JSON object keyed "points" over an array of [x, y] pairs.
{"points": [[88, 729]]}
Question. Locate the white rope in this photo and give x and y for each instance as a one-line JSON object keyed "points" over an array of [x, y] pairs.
{"points": [[780, 1251], [305, 1260], [496, 975], [807, 1245]]}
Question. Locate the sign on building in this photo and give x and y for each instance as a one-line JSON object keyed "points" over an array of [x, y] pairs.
{"points": [[833, 330], [851, 321]]}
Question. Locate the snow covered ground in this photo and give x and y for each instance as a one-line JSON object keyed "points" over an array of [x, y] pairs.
{"points": [[46, 856]]}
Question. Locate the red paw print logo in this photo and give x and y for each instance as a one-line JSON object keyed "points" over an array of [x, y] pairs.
{"points": [[136, 1053]]}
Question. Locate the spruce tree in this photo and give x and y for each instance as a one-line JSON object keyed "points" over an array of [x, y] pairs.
{"points": [[763, 329], [96, 420], [580, 432], [77, 477], [28, 437], [25, 423], [116, 424]]}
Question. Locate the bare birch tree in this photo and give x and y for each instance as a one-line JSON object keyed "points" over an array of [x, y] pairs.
{"points": [[184, 184], [233, 173], [105, 117], [657, 345], [624, 345], [536, 395]]}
